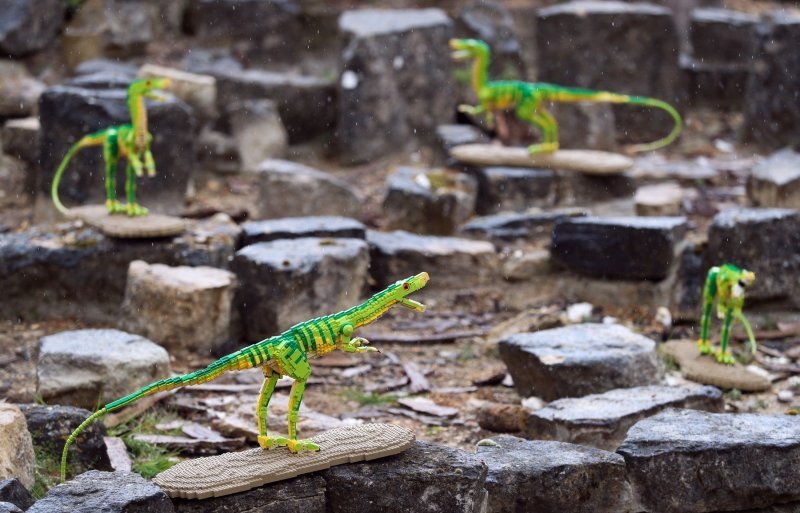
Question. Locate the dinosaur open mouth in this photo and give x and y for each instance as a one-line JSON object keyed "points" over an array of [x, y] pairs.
{"points": [[461, 55], [410, 303]]}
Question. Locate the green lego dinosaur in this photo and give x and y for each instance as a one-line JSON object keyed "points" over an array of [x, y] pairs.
{"points": [[131, 141], [527, 98], [726, 284], [284, 355]]}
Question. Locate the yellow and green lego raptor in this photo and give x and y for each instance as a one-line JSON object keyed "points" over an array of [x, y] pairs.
{"points": [[284, 355], [526, 98], [131, 141]]}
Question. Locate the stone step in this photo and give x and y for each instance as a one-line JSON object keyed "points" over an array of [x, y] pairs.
{"points": [[333, 227]]}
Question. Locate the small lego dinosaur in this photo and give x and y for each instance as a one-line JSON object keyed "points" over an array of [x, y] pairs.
{"points": [[726, 284], [284, 355], [527, 98], [131, 141]]}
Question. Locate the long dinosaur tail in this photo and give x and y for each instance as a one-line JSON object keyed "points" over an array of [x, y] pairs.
{"points": [[567, 94], [246, 358], [88, 140]]}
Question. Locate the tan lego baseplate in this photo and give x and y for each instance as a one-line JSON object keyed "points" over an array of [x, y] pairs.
{"points": [[706, 370], [215, 476], [126, 227], [590, 162]]}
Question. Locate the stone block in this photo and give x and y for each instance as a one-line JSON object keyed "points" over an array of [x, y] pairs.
{"points": [[258, 132], [7, 507], [448, 136], [518, 225], [772, 112], [430, 201], [109, 28], [553, 477], [514, 189], [714, 85], [50, 426], [16, 448], [585, 125], [578, 360], [452, 262], [690, 461], [395, 84], [289, 281], [763, 240], [775, 181], [12, 491], [289, 189], [492, 23], [658, 200], [328, 227], [19, 91], [425, 478], [723, 36], [67, 113], [594, 44], [96, 366], [623, 248], [579, 189], [603, 420], [29, 25], [306, 104], [20, 139], [181, 308], [686, 301], [109, 492], [196, 90]]}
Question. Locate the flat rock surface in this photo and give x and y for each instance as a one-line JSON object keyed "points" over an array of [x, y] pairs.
{"points": [[553, 477], [519, 225], [705, 369], [603, 420], [16, 448], [589, 162], [109, 492], [127, 227], [775, 182], [12, 491], [692, 461], [578, 360], [297, 227], [84, 367], [236, 472]]}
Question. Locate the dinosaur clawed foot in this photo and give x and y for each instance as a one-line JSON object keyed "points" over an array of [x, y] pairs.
{"points": [[115, 207], [705, 347], [135, 210], [543, 148], [724, 357], [295, 446]]}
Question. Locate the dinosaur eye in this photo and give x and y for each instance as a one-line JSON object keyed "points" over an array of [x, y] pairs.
{"points": [[742, 283], [405, 286]]}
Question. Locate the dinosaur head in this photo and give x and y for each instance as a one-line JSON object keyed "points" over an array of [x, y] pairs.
{"points": [[468, 49], [148, 88], [401, 289]]}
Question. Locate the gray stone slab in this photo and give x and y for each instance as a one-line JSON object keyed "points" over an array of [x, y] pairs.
{"points": [[425, 478], [27, 27], [723, 35], [553, 477], [91, 366], [628, 248], [109, 492], [512, 189], [452, 262], [333, 227], [12, 491], [775, 182], [20, 138], [763, 240], [603, 420], [578, 360], [691, 461], [289, 281], [522, 225]]}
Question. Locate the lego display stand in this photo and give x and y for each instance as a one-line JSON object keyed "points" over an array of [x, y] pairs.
{"points": [[705, 370], [125, 227]]}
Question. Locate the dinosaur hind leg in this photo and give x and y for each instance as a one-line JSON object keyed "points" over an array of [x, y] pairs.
{"points": [[270, 379], [723, 355], [133, 208], [111, 158], [538, 116]]}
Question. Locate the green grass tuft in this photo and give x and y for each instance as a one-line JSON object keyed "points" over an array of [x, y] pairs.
{"points": [[47, 472], [368, 399]]}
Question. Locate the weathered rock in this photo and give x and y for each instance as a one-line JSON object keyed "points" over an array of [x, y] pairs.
{"points": [[198, 91], [16, 448], [592, 44], [67, 113], [49, 273], [514, 189], [12, 491], [522, 225], [449, 480], [692, 461], [690, 277], [51, 425], [110, 66], [771, 112], [298, 227], [186, 308], [663, 199], [578, 360], [579, 189], [87, 367], [257, 131], [289, 189], [718, 86], [19, 91], [585, 125], [395, 83], [20, 138], [501, 417], [28, 26], [7, 507], [603, 420], [775, 182], [452, 261], [112, 492], [523, 265], [290, 281], [765, 241], [449, 136], [553, 477], [632, 248], [306, 104], [492, 23], [304, 493], [432, 201]]}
